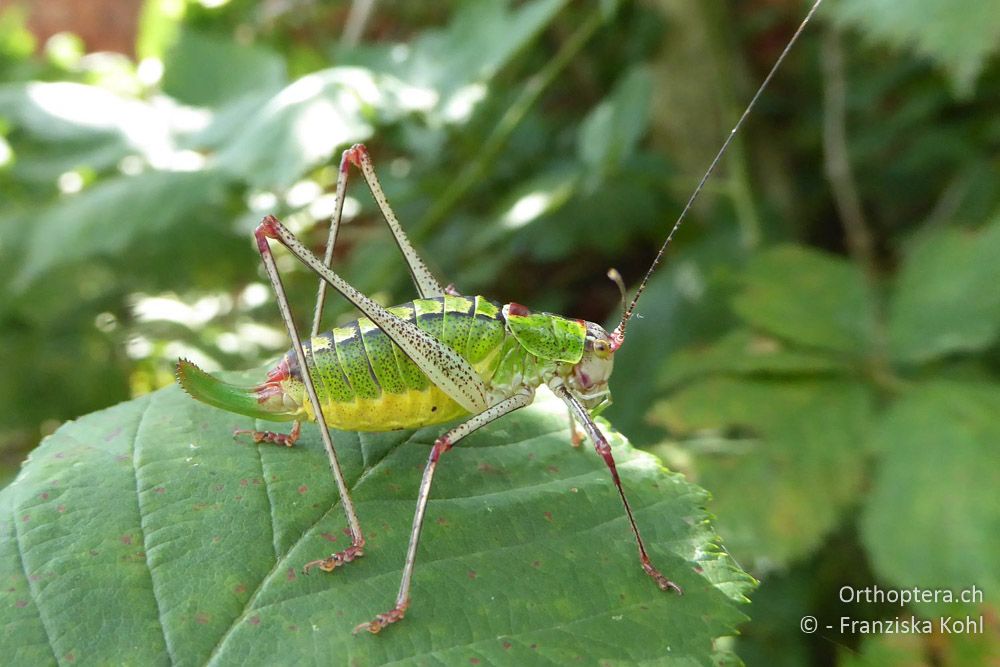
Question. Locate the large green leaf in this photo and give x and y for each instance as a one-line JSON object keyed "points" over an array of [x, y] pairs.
{"points": [[145, 533], [939, 471], [947, 297]]}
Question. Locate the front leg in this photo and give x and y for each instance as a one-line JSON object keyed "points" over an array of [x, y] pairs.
{"points": [[604, 449]]}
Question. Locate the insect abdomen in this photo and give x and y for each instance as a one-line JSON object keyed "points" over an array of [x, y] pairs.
{"points": [[365, 382]]}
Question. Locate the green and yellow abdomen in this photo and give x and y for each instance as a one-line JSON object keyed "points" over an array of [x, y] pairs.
{"points": [[365, 382]]}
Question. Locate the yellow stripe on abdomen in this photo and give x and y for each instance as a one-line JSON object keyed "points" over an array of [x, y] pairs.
{"points": [[390, 412]]}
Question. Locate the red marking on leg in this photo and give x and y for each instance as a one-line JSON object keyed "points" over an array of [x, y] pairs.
{"points": [[266, 230], [604, 449], [356, 153], [441, 445], [334, 561], [287, 440], [376, 625], [517, 309]]}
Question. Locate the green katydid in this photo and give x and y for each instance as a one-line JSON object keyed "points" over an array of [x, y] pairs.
{"points": [[436, 359]]}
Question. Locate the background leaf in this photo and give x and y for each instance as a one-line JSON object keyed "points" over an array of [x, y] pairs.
{"points": [[125, 215], [71, 126], [744, 352], [482, 37], [796, 447], [940, 438], [301, 127], [610, 132], [947, 298], [959, 36], [809, 298], [148, 517], [203, 69]]}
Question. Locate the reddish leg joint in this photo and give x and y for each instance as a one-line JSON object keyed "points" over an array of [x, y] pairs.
{"points": [[375, 626], [334, 561], [265, 230], [441, 445], [355, 154], [286, 439]]}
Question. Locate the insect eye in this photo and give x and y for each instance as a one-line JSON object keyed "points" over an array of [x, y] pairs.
{"points": [[601, 346]]}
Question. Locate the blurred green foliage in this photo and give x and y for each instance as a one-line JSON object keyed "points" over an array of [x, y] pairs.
{"points": [[819, 350]]}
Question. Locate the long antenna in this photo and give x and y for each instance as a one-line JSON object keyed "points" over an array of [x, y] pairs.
{"points": [[618, 337]]}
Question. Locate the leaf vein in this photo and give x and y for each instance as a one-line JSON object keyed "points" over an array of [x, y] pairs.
{"points": [[279, 561], [270, 502], [31, 588], [142, 530]]}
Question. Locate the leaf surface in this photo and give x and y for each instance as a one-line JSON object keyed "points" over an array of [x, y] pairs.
{"points": [[939, 471], [146, 531], [959, 35], [796, 448], [947, 298], [808, 297], [124, 216]]}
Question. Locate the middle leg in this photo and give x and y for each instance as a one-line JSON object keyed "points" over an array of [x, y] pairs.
{"points": [[441, 445]]}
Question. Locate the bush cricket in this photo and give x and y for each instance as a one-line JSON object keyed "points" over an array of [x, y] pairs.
{"points": [[439, 358]]}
